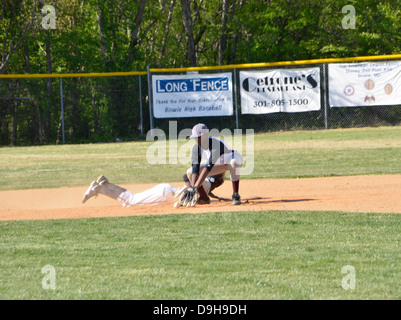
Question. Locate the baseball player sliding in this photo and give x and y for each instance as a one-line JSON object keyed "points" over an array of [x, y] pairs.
{"points": [[160, 194], [219, 158]]}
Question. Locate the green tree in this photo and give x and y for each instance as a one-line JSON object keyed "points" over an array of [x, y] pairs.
{"points": [[126, 35]]}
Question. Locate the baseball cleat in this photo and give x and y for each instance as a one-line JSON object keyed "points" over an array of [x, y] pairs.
{"points": [[236, 199], [91, 192], [203, 201], [101, 179]]}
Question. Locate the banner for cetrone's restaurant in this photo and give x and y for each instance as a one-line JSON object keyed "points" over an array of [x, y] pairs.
{"points": [[282, 90], [192, 95], [365, 84]]}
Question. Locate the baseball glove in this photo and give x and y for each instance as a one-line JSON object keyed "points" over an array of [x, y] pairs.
{"points": [[189, 198]]}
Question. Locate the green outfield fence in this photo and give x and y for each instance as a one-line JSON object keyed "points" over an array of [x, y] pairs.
{"points": [[102, 107]]}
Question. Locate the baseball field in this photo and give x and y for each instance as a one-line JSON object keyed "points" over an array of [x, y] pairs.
{"points": [[320, 219]]}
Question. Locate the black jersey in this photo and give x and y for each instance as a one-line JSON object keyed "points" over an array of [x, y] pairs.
{"points": [[216, 148]]}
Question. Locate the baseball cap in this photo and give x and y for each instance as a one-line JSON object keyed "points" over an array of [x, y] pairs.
{"points": [[199, 130]]}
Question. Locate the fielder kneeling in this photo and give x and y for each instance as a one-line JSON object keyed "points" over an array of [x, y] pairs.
{"points": [[219, 158]]}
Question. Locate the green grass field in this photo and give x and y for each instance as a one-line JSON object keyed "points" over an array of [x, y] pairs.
{"points": [[258, 255], [276, 155], [234, 255]]}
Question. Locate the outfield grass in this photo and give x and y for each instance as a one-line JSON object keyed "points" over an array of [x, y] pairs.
{"points": [[276, 155], [242, 255]]}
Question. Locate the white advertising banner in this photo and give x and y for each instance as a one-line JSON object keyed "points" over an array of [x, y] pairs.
{"points": [[192, 95], [284, 90], [365, 84]]}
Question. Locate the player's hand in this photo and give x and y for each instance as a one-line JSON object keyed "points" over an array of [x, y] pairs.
{"points": [[189, 198], [194, 197]]}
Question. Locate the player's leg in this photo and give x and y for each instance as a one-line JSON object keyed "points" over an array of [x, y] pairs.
{"points": [[234, 166], [103, 186], [159, 194], [108, 189], [232, 163], [234, 175]]}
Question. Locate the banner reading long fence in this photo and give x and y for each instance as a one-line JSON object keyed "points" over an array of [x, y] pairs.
{"points": [[193, 95]]}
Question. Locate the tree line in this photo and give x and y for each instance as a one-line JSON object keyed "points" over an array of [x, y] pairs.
{"points": [[130, 35]]}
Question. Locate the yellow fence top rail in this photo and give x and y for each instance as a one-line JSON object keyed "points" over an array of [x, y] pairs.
{"points": [[225, 67], [278, 64]]}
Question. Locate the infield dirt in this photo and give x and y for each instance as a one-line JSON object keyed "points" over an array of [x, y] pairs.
{"points": [[373, 193]]}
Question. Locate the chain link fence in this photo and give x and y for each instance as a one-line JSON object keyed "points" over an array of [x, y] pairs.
{"points": [[82, 109], [72, 110], [326, 118]]}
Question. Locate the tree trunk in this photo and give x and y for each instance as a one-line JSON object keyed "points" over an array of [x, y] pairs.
{"points": [[188, 26], [134, 35], [236, 36], [11, 41], [38, 125], [166, 30], [42, 136], [223, 37], [95, 111], [49, 65], [13, 126], [101, 33]]}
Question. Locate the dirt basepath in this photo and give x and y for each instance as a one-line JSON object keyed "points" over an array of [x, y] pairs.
{"points": [[358, 193]]}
